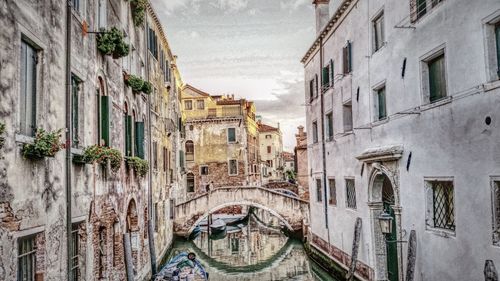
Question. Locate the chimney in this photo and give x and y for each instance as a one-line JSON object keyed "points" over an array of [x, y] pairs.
{"points": [[301, 130], [322, 13]]}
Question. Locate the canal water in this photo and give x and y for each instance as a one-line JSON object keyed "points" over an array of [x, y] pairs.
{"points": [[255, 249]]}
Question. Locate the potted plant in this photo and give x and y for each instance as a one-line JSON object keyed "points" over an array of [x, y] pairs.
{"points": [[46, 144], [103, 155], [140, 166], [138, 11], [147, 88], [111, 43], [2, 131], [134, 82]]}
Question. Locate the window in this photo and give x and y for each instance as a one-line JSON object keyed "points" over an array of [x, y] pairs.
{"points": [[316, 85], [315, 131], [495, 193], [165, 159], [347, 58], [380, 104], [127, 124], [29, 61], [268, 136], [319, 193], [233, 167], [102, 14], [350, 193], [189, 150], [139, 138], [437, 78], [167, 71], [332, 72], [347, 114], [204, 170], [104, 114], [75, 252], [152, 43], [26, 258], [311, 90], [75, 96], [268, 149], [200, 104], [332, 199], [155, 155], [378, 32], [188, 105], [269, 163], [156, 217], [231, 135], [190, 182], [329, 126], [421, 7], [325, 78], [443, 213], [76, 5], [497, 39]]}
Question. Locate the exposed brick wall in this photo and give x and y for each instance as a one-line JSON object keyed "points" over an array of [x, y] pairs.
{"points": [[218, 173], [40, 255], [7, 218]]}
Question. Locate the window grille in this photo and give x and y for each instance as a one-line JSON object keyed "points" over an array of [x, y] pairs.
{"points": [[350, 193], [443, 204], [26, 258], [332, 200], [190, 182], [75, 252], [496, 212]]}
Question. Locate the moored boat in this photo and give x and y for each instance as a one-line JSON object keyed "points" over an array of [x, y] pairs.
{"points": [[183, 267], [218, 226]]}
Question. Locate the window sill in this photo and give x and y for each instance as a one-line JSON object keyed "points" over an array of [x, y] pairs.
{"points": [[379, 49], [23, 139], [380, 122], [437, 103], [330, 139], [441, 232]]}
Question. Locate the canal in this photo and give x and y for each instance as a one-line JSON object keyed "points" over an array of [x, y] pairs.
{"points": [[252, 249]]}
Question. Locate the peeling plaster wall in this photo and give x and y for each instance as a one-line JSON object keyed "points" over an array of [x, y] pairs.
{"points": [[446, 139]]}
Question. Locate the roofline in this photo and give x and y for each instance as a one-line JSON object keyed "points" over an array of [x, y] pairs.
{"points": [[187, 85], [333, 20]]}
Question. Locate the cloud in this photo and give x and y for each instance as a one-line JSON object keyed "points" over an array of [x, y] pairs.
{"points": [[233, 5], [293, 4]]}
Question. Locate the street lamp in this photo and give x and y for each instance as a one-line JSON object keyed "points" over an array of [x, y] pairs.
{"points": [[385, 221]]}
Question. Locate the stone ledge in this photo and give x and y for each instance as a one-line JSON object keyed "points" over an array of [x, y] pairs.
{"points": [[387, 153]]}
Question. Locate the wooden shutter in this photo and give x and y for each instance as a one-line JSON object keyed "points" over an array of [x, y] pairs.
{"points": [[349, 56], [332, 72], [128, 135], [106, 104], [437, 83], [497, 35], [139, 139], [325, 77], [181, 159], [316, 85], [344, 60]]}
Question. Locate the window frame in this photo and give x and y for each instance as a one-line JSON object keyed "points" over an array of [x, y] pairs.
{"points": [[190, 176], [347, 126], [495, 209], [431, 56], [350, 201], [29, 255], [202, 167], [378, 31], [186, 107], [319, 190], [315, 134], [329, 126], [202, 102], [24, 96], [228, 135], [330, 201], [229, 167], [377, 102], [430, 206]]}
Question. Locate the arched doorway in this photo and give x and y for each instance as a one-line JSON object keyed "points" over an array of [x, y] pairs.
{"points": [[384, 199]]}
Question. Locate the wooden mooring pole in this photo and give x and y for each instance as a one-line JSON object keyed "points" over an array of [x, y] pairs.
{"points": [[355, 248], [129, 266], [490, 272], [412, 256]]}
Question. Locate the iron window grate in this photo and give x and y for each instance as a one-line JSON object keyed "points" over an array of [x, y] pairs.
{"points": [[443, 204], [351, 193]]}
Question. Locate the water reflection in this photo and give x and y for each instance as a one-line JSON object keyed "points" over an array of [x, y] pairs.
{"points": [[253, 250]]}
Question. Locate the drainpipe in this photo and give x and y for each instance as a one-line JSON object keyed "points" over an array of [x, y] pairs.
{"points": [[323, 150], [68, 139], [152, 252]]}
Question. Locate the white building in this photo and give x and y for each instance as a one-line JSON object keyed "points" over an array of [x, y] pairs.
{"points": [[407, 94], [271, 152]]}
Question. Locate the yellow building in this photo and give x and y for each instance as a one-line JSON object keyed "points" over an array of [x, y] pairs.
{"points": [[221, 147]]}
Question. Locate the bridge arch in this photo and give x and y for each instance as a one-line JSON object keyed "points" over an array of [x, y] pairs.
{"points": [[242, 203], [289, 209]]}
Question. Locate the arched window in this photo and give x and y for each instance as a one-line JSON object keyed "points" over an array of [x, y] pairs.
{"points": [[190, 182], [189, 150]]}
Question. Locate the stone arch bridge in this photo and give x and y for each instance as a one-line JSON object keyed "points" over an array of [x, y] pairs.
{"points": [[292, 211]]}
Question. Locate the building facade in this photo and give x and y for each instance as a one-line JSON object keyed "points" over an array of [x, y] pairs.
{"points": [[113, 79], [271, 152], [301, 163], [289, 165], [401, 100], [220, 143]]}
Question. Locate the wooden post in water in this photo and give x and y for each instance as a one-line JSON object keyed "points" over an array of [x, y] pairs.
{"points": [[129, 266], [355, 247], [490, 272], [412, 256]]}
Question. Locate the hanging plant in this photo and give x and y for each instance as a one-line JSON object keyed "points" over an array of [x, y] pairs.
{"points": [[147, 88], [138, 11], [140, 166], [2, 138], [101, 155], [111, 43], [135, 82], [46, 144]]}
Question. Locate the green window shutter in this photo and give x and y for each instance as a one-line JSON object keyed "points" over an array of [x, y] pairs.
{"points": [[325, 77], [332, 72], [437, 83], [105, 119], [74, 109], [316, 84], [349, 56], [128, 135], [139, 139], [497, 33]]}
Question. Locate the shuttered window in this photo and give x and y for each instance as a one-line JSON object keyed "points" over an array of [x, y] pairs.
{"points": [[139, 139], [319, 193], [106, 104], [332, 199], [128, 135], [347, 58], [316, 89], [381, 104], [437, 78], [497, 37], [26, 259], [325, 81], [347, 114], [378, 32], [102, 14], [75, 108], [332, 72], [155, 155], [311, 90], [329, 126], [231, 135], [27, 102]]}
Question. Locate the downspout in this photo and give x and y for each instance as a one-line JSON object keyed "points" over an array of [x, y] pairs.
{"points": [[68, 139], [323, 150], [152, 252]]}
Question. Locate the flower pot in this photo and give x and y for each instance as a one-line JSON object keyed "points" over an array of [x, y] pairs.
{"points": [[79, 159], [30, 154]]}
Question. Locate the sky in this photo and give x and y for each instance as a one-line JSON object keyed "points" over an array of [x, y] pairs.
{"points": [[249, 48]]}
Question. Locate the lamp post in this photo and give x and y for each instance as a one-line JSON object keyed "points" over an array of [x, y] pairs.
{"points": [[385, 221]]}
